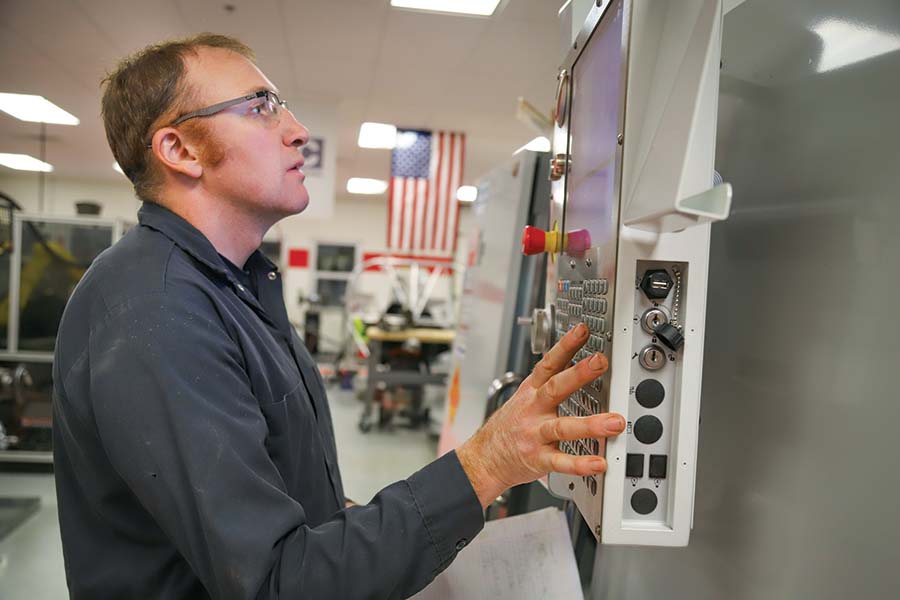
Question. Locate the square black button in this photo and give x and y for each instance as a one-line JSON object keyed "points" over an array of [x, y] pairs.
{"points": [[658, 466], [634, 465]]}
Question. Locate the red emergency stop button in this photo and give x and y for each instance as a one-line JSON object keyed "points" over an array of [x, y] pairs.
{"points": [[534, 240]]}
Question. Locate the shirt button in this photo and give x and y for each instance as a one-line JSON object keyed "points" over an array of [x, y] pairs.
{"points": [[461, 544], [273, 276]]}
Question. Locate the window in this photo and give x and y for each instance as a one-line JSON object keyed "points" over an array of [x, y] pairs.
{"points": [[335, 258], [334, 265]]}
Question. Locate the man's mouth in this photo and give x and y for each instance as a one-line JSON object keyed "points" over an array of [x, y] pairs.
{"points": [[298, 170]]}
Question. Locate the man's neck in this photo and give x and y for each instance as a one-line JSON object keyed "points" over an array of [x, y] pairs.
{"points": [[232, 232]]}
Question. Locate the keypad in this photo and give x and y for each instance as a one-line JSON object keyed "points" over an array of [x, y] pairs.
{"points": [[583, 302]]}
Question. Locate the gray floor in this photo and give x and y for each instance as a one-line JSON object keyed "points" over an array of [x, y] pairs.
{"points": [[31, 565]]}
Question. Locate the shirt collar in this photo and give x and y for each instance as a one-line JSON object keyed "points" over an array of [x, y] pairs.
{"points": [[191, 240]]}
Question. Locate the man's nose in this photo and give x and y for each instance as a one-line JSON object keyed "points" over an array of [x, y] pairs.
{"points": [[295, 133]]}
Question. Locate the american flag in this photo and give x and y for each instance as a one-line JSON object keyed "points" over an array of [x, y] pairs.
{"points": [[426, 170]]}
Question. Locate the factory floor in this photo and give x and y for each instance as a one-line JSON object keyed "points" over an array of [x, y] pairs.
{"points": [[31, 564]]}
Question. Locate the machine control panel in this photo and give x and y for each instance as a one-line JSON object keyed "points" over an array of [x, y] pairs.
{"points": [[633, 197]]}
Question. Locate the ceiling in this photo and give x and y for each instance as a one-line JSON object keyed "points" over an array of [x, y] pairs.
{"points": [[369, 61]]}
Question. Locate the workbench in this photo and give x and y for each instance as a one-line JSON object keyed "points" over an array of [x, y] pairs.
{"points": [[377, 337]]}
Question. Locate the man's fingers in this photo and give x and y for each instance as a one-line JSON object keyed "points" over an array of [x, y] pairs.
{"points": [[559, 356], [560, 462], [562, 385], [576, 428]]}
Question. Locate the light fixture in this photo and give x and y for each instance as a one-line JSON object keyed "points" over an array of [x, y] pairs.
{"points": [[845, 43], [361, 185], [484, 8], [538, 144], [24, 162], [377, 135], [37, 109], [467, 193], [118, 168]]}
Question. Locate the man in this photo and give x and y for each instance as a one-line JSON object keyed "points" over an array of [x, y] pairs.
{"points": [[193, 442]]}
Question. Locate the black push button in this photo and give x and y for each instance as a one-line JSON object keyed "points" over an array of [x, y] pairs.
{"points": [[650, 393], [658, 466], [634, 465], [643, 501], [648, 429]]}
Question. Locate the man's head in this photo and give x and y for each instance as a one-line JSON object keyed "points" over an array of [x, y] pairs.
{"points": [[246, 154]]}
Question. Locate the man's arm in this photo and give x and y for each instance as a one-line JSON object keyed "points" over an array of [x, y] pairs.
{"points": [[179, 422]]}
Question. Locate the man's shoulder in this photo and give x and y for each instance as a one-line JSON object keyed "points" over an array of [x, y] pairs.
{"points": [[143, 267], [134, 267], [143, 263], [139, 279]]}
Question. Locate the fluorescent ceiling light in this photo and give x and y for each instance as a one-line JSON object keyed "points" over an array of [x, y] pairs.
{"points": [[360, 185], [484, 8], [118, 168], [845, 43], [36, 109], [24, 162], [538, 144], [467, 193], [377, 135]]}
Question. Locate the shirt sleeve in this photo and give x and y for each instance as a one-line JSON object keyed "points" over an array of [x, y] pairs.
{"points": [[177, 418]]}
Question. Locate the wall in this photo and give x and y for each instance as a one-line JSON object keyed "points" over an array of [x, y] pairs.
{"points": [[359, 220], [61, 194]]}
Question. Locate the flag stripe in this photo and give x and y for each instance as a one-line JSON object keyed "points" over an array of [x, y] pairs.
{"points": [[452, 202], [462, 164], [421, 223], [401, 207], [432, 206], [442, 186], [422, 188], [437, 190], [390, 231], [407, 212], [449, 192]]}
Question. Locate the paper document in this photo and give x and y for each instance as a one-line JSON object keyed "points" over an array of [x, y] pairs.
{"points": [[527, 557]]}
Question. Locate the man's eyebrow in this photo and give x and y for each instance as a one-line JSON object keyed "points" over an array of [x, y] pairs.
{"points": [[262, 88]]}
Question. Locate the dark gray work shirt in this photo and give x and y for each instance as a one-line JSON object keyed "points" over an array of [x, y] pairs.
{"points": [[194, 449]]}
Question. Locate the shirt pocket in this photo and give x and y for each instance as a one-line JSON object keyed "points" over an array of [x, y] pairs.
{"points": [[291, 441]]}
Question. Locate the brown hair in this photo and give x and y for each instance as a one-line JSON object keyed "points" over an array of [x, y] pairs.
{"points": [[145, 90]]}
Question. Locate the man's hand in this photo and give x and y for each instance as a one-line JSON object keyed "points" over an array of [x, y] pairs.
{"points": [[518, 443]]}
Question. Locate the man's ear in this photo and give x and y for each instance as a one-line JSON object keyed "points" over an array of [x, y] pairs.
{"points": [[175, 152]]}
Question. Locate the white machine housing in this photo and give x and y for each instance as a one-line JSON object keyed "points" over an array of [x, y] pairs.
{"points": [[654, 188]]}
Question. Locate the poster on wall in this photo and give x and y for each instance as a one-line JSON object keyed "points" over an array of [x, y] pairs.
{"points": [[320, 161], [313, 153]]}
